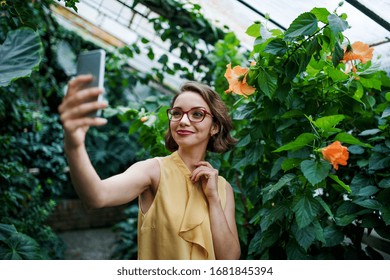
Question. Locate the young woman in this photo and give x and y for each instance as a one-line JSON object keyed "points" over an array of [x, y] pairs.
{"points": [[186, 210]]}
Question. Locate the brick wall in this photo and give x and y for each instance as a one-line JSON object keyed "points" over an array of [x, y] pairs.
{"points": [[72, 214]]}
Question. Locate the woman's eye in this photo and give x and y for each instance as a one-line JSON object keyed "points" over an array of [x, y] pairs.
{"points": [[176, 113], [198, 114]]}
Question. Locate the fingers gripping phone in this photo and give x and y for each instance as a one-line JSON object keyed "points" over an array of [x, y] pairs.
{"points": [[93, 62]]}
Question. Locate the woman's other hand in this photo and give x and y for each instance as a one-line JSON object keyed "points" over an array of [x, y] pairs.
{"points": [[208, 177]]}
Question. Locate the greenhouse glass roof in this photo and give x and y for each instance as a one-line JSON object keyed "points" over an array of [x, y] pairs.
{"points": [[116, 23]]}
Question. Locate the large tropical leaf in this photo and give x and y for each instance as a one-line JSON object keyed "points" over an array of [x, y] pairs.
{"points": [[19, 247], [20, 54]]}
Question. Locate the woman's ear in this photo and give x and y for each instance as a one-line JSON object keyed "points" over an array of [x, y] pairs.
{"points": [[214, 129]]}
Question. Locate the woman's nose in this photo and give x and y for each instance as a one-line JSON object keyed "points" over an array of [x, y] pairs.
{"points": [[185, 119]]}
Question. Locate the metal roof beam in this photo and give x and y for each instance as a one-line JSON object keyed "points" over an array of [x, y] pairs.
{"points": [[260, 13], [385, 24]]}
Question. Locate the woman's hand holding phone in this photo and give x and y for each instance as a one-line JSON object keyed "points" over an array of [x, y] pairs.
{"points": [[76, 109]]}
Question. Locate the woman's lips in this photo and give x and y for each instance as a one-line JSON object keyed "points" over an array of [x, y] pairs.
{"points": [[184, 132]]}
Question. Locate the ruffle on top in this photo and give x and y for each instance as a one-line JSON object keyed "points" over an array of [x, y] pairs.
{"points": [[195, 225]]}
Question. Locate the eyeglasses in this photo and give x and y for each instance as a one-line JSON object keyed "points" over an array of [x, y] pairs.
{"points": [[195, 115]]}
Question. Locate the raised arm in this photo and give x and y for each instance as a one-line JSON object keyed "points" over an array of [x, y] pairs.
{"points": [[96, 193]]}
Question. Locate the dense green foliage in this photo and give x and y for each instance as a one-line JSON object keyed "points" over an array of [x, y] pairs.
{"points": [[32, 163], [306, 99], [33, 168], [291, 203]]}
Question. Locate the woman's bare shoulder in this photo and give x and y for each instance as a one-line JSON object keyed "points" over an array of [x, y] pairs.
{"points": [[149, 168]]}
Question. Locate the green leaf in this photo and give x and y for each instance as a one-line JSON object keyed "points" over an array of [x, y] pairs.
{"points": [[371, 83], [163, 59], [356, 150], [263, 214], [387, 96], [349, 139], [315, 171], [276, 47], [244, 141], [336, 24], [254, 30], [386, 113], [280, 184], [369, 132], [305, 236], [292, 114], [294, 251], [345, 220], [304, 25], [358, 93], [347, 208], [369, 203], [290, 163], [144, 40], [385, 183], [20, 54], [150, 53], [378, 161], [367, 191], [253, 153], [328, 122], [264, 239], [6, 231], [245, 111], [319, 231], [338, 54], [135, 126], [267, 81], [333, 236], [276, 213], [336, 75], [341, 183], [306, 209], [321, 14], [325, 206], [301, 141], [270, 236]]}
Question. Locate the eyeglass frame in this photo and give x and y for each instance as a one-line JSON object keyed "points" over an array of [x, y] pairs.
{"points": [[186, 113]]}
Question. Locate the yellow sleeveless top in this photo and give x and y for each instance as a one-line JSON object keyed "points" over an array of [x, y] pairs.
{"points": [[177, 224]]}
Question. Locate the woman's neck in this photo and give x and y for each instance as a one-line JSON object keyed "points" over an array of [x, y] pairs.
{"points": [[191, 157]]}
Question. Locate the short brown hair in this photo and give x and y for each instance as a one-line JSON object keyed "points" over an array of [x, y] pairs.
{"points": [[221, 141]]}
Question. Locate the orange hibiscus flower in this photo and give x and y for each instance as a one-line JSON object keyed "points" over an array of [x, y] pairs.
{"points": [[237, 80], [357, 51], [336, 154]]}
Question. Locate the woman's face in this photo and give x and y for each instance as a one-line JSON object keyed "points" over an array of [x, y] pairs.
{"points": [[189, 134]]}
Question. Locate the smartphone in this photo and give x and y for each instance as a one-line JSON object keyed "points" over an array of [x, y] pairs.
{"points": [[93, 62]]}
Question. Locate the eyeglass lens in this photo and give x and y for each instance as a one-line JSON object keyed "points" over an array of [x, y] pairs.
{"points": [[194, 115]]}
